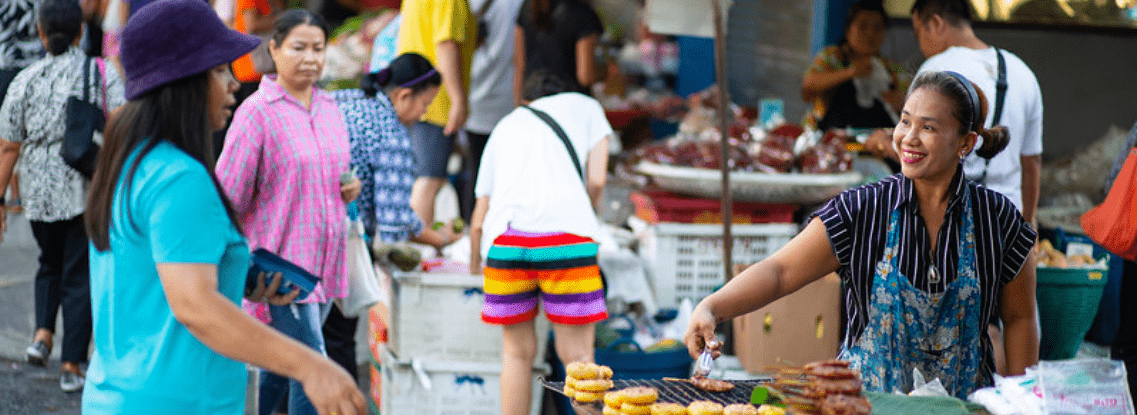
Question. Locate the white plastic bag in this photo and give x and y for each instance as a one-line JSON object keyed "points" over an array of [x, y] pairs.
{"points": [[1095, 386], [363, 282], [1013, 395]]}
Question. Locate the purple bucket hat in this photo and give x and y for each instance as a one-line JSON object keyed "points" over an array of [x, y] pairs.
{"points": [[169, 40]]}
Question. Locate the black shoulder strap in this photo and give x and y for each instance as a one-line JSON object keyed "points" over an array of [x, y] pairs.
{"points": [[87, 79], [1000, 88], [560, 133]]}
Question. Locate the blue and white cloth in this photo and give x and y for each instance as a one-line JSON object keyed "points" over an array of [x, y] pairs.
{"points": [[384, 161]]}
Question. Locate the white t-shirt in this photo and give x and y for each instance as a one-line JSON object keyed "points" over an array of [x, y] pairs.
{"points": [[529, 176], [1022, 113], [491, 72]]}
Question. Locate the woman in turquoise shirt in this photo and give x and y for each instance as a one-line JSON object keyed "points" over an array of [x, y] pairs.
{"points": [[168, 261]]}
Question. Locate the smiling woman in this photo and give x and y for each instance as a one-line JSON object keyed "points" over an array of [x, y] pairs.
{"points": [[927, 258]]}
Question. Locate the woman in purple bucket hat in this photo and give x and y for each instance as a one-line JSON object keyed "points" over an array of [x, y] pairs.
{"points": [[168, 258]]}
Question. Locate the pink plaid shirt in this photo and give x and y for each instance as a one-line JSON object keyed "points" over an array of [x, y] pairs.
{"points": [[280, 168]]}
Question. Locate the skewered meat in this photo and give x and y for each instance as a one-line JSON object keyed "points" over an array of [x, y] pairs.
{"points": [[712, 385], [846, 405], [829, 387], [814, 387], [707, 384]]}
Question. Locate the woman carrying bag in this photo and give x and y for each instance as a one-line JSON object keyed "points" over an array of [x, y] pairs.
{"points": [[281, 165], [32, 126], [541, 178], [377, 117]]}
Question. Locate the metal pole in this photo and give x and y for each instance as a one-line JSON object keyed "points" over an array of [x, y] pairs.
{"points": [[725, 119]]}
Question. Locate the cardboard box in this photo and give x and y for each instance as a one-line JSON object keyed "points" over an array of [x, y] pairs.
{"points": [[797, 329]]}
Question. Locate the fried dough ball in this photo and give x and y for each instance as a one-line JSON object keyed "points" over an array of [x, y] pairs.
{"points": [[614, 400], [594, 385], [586, 397], [633, 409], [582, 370], [640, 395], [771, 410], [740, 409], [668, 409], [704, 408]]}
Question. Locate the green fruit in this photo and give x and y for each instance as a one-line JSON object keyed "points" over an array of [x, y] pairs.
{"points": [[405, 258]]}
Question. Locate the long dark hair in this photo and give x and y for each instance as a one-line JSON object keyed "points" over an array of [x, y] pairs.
{"points": [[61, 22], [409, 70], [174, 112], [965, 111]]}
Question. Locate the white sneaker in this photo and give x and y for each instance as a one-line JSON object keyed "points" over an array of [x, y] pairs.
{"points": [[38, 353], [71, 382]]}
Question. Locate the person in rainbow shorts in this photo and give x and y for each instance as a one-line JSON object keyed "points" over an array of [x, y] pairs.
{"points": [[536, 203]]}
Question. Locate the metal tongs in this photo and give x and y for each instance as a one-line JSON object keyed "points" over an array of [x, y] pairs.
{"points": [[706, 361]]}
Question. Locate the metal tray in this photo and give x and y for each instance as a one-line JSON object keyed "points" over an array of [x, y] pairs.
{"points": [[670, 391]]}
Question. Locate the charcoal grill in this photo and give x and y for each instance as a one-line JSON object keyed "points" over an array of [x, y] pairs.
{"points": [[671, 391]]}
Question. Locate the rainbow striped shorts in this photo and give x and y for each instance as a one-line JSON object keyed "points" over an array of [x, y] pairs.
{"points": [[559, 267]]}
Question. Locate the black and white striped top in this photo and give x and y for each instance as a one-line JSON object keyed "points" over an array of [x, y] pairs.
{"points": [[856, 222]]}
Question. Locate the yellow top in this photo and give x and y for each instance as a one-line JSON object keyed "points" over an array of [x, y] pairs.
{"points": [[429, 22]]}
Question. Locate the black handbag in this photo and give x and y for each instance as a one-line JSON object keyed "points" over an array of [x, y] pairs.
{"points": [[84, 118]]}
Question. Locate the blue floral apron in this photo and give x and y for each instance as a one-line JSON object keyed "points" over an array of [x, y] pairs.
{"points": [[909, 328]]}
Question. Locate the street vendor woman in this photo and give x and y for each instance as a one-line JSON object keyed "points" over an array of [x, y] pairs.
{"points": [[925, 257]]}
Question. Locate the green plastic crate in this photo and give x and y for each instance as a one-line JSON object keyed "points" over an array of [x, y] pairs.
{"points": [[1067, 303]]}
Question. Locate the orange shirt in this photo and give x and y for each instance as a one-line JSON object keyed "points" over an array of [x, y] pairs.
{"points": [[243, 67]]}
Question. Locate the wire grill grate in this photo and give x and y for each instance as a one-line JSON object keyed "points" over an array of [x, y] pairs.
{"points": [[681, 392]]}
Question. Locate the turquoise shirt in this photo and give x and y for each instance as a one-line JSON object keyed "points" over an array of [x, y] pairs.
{"points": [[145, 362]]}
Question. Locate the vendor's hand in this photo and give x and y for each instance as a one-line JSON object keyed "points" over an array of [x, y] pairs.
{"points": [[268, 293], [861, 67], [880, 144], [331, 390], [456, 118], [701, 333], [351, 190]]}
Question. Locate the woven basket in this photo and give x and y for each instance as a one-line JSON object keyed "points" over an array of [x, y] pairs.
{"points": [[1067, 303]]}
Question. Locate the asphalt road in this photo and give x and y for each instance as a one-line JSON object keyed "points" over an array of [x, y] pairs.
{"points": [[32, 390], [24, 389]]}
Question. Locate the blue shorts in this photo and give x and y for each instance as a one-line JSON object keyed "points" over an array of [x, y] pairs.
{"points": [[432, 149]]}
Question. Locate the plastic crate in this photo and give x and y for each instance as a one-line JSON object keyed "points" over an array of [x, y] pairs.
{"points": [[1067, 302], [424, 387], [655, 206], [437, 317], [685, 260]]}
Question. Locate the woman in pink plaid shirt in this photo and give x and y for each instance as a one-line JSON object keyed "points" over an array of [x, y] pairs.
{"points": [[281, 167]]}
